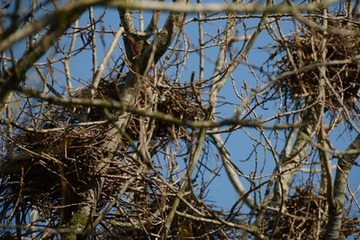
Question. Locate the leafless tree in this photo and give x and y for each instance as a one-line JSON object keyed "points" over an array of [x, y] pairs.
{"points": [[118, 119]]}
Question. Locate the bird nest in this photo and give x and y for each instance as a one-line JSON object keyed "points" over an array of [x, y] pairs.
{"points": [[302, 55], [181, 101], [302, 221], [53, 165]]}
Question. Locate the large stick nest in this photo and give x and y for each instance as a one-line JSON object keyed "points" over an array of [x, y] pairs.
{"points": [[53, 166], [306, 218], [181, 101], [305, 49]]}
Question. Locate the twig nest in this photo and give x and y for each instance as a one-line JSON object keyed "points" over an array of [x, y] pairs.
{"points": [[54, 165], [178, 100], [302, 55], [306, 218]]}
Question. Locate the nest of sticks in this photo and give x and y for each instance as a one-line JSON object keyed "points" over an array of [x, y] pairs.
{"points": [[302, 54], [52, 165], [181, 101], [55, 164], [302, 221]]}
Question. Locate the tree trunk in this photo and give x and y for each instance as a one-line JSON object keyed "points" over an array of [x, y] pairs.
{"points": [[340, 185]]}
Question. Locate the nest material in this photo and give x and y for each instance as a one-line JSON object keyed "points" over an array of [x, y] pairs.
{"points": [[179, 101], [53, 164], [343, 80], [301, 221], [52, 184], [59, 163], [64, 148]]}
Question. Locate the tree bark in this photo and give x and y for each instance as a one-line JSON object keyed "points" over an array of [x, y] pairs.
{"points": [[339, 193]]}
